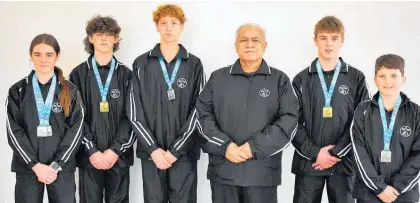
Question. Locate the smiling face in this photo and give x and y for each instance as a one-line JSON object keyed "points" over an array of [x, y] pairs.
{"points": [[389, 81], [44, 58]]}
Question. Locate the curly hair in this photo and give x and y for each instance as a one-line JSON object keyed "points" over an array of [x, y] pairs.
{"points": [[101, 24], [169, 10], [329, 24]]}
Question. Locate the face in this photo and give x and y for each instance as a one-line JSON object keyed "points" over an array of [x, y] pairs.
{"points": [[43, 58], [389, 81], [103, 42], [250, 44], [170, 29], [329, 45]]}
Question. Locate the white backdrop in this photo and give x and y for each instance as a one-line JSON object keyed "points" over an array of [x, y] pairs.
{"points": [[372, 29]]}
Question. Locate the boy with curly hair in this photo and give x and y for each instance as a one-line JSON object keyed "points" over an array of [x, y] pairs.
{"points": [[106, 154]]}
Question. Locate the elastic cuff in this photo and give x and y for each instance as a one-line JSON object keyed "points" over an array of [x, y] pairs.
{"points": [[116, 150], [175, 153], [32, 164], [151, 149], [92, 151], [331, 151], [255, 155]]}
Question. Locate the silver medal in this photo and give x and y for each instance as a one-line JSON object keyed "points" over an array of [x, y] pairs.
{"points": [[44, 131], [171, 94], [386, 156]]}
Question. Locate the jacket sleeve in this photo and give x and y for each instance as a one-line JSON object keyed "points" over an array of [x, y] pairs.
{"points": [[343, 146], [185, 141], [88, 139], [125, 137], [366, 171], [303, 144], [16, 136], [73, 135], [135, 113], [408, 175], [216, 141], [278, 135]]}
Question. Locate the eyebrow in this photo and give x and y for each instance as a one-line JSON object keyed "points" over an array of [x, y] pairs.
{"points": [[251, 38], [48, 53]]}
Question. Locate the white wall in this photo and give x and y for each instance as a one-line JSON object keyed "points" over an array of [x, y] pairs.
{"points": [[372, 29]]}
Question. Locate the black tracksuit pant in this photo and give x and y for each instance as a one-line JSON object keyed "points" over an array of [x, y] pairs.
{"points": [[177, 184], [309, 189], [29, 190], [237, 194], [115, 182]]}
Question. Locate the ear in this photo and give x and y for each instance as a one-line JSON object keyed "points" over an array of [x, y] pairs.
{"points": [[90, 39], [265, 46], [182, 27], [116, 39], [404, 79], [375, 80], [58, 56]]}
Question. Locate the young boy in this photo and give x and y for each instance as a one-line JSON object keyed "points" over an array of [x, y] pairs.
{"points": [[328, 91], [103, 81], [166, 83], [385, 134]]}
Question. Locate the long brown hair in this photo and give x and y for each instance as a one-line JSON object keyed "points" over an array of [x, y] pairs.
{"points": [[64, 96]]}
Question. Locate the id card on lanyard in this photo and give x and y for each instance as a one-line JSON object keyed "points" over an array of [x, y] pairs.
{"points": [[170, 81], [103, 105], [327, 110], [44, 109], [386, 154]]}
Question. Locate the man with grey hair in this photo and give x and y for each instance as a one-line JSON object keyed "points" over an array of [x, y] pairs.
{"points": [[248, 114]]}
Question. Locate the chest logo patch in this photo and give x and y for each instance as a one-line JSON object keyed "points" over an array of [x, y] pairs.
{"points": [[405, 131], [115, 93], [182, 83], [56, 107], [264, 92], [343, 89]]}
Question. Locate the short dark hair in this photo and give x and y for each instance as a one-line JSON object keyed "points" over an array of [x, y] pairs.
{"points": [[101, 24], [391, 61]]}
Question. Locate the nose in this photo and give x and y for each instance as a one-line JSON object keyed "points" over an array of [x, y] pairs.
{"points": [[168, 27], [43, 59], [249, 44], [329, 42]]}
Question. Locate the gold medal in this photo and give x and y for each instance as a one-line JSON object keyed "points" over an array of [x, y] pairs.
{"points": [[327, 112], [103, 106]]}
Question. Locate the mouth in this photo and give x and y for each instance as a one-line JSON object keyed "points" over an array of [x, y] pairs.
{"points": [[328, 50]]}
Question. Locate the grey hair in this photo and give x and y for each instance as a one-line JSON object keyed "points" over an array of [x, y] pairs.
{"points": [[252, 26]]}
